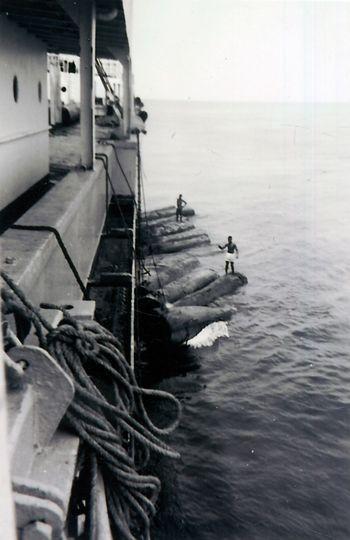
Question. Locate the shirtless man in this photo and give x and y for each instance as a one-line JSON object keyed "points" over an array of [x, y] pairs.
{"points": [[231, 249], [180, 203]]}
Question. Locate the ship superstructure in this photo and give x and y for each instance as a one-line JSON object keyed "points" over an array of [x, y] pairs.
{"points": [[63, 81], [57, 190]]}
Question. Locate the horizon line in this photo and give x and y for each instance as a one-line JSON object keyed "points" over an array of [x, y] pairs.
{"points": [[250, 101]]}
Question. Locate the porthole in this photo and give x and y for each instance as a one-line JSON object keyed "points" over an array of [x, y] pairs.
{"points": [[15, 88], [39, 91]]}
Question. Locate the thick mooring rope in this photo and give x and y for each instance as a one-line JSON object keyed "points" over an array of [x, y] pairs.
{"points": [[107, 411]]}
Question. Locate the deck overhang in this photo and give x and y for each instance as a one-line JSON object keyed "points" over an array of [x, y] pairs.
{"points": [[56, 22]]}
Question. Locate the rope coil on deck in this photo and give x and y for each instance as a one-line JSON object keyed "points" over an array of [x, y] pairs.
{"points": [[107, 411]]}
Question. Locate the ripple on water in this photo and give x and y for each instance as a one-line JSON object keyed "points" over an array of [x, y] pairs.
{"points": [[265, 439]]}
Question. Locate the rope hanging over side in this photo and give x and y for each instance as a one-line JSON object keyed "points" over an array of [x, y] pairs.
{"points": [[106, 420], [106, 142], [160, 285]]}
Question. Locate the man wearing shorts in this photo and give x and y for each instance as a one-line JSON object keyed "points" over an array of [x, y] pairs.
{"points": [[231, 249], [180, 203]]}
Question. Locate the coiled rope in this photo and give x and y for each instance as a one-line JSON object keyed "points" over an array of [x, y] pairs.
{"points": [[106, 425]]}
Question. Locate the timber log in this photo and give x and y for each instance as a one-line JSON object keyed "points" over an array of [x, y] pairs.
{"points": [[168, 229], [179, 324], [169, 269], [220, 287], [188, 211], [180, 236], [185, 323], [152, 224], [160, 213], [171, 246], [188, 284], [150, 235], [167, 212]]}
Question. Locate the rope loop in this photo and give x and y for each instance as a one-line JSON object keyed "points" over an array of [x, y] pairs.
{"points": [[107, 411]]}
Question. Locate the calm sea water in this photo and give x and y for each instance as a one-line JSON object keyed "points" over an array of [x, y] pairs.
{"points": [[265, 435]]}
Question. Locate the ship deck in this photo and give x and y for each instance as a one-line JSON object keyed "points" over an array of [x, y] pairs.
{"points": [[64, 148], [83, 213]]}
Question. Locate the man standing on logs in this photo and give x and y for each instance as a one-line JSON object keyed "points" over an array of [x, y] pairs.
{"points": [[231, 249], [180, 203]]}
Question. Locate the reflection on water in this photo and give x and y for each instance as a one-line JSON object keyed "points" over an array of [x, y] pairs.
{"points": [[265, 436]]}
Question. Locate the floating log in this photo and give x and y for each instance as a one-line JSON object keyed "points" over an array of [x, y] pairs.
{"points": [[169, 269], [168, 229], [152, 224], [188, 284], [160, 213], [166, 212], [220, 287], [174, 247], [178, 237], [149, 235], [188, 211], [166, 261], [182, 324]]}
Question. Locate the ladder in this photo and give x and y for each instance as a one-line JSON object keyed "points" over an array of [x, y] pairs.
{"points": [[107, 85]]}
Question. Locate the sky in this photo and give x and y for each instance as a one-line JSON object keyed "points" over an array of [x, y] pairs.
{"points": [[242, 50]]}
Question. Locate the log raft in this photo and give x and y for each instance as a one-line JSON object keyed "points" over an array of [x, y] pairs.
{"points": [[161, 233], [177, 294]]}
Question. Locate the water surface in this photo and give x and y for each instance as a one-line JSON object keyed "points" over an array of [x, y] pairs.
{"points": [[265, 435]]}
